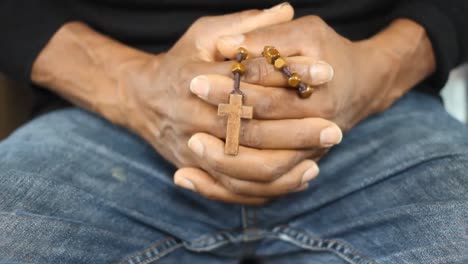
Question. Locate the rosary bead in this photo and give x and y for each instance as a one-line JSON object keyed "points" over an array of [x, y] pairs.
{"points": [[270, 54], [294, 80], [280, 63], [238, 67], [244, 54], [305, 91]]}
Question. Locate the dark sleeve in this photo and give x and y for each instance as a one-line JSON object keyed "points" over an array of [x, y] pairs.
{"points": [[25, 28], [446, 23]]}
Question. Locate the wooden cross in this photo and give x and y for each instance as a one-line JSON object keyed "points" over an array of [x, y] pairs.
{"points": [[234, 111]]}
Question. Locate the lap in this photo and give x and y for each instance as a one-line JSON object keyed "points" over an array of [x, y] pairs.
{"points": [[395, 190], [76, 189]]}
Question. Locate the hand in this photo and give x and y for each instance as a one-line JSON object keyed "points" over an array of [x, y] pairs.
{"points": [[369, 75], [150, 95], [160, 107]]}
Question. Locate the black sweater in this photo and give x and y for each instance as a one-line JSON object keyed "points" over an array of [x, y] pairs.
{"points": [[154, 25]]}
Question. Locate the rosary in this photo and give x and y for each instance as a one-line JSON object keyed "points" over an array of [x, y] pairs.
{"points": [[235, 110]]}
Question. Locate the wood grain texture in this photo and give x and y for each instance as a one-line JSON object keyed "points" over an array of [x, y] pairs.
{"points": [[234, 111]]}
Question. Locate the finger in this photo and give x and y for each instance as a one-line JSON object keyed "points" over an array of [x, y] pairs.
{"points": [[297, 37], [199, 181], [260, 72], [207, 29], [292, 181], [312, 71], [250, 164], [305, 133], [268, 102], [249, 20]]}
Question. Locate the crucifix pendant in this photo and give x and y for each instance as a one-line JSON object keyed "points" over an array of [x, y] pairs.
{"points": [[234, 111]]}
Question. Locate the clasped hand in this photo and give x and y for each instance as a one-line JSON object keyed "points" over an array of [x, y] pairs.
{"points": [[174, 98]]}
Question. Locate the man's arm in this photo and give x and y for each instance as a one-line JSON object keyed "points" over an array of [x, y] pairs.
{"points": [[445, 23], [83, 66], [407, 54]]}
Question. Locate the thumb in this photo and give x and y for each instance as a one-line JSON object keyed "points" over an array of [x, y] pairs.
{"points": [[206, 30], [245, 21]]}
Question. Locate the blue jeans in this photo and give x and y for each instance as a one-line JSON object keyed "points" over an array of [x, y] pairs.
{"points": [[76, 189]]}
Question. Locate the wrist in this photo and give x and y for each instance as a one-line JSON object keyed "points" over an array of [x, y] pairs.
{"points": [[84, 67], [397, 58], [405, 51]]}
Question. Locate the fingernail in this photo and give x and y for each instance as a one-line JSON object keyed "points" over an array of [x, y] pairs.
{"points": [[330, 136], [321, 72], [196, 146], [184, 183], [200, 86], [233, 40], [276, 7], [309, 174]]}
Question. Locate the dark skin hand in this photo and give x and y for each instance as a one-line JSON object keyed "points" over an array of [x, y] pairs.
{"points": [[155, 95], [151, 96], [369, 75]]}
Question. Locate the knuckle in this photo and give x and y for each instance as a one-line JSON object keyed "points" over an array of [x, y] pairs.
{"points": [[291, 183], [204, 20], [314, 20], [232, 187], [302, 136], [272, 170], [315, 25], [258, 71], [328, 109], [217, 162], [250, 134], [270, 105], [218, 128], [186, 73], [200, 24]]}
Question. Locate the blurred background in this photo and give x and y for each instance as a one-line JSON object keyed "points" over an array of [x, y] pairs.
{"points": [[17, 103]]}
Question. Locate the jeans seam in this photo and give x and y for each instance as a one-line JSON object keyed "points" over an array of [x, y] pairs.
{"points": [[162, 254], [159, 243], [355, 254], [216, 240]]}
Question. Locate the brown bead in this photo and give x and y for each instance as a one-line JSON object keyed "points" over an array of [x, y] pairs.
{"points": [[243, 52], [307, 92], [294, 80], [280, 63], [238, 67], [270, 54]]}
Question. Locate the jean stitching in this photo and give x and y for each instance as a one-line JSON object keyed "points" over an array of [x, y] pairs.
{"points": [[203, 243], [162, 254], [203, 240], [160, 243], [213, 241], [354, 255]]}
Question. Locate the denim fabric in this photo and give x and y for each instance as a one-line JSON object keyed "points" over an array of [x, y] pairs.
{"points": [[76, 189]]}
